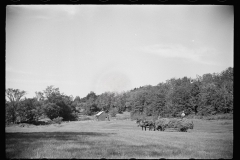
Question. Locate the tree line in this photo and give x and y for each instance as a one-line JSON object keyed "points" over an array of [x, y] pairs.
{"points": [[208, 94]]}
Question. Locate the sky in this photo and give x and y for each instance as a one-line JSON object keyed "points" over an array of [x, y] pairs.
{"points": [[100, 48]]}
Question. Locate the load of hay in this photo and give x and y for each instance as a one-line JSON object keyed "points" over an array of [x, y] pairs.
{"points": [[181, 125], [188, 123], [162, 123]]}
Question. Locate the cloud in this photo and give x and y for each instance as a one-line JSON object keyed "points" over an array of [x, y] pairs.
{"points": [[9, 69], [45, 82], [70, 10], [203, 55], [13, 70]]}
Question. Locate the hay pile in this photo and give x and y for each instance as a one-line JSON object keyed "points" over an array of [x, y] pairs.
{"points": [[181, 125], [162, 123], [188, 123]]}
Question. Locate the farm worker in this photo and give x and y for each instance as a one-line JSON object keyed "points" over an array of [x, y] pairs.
{"points": [[183, 114]]}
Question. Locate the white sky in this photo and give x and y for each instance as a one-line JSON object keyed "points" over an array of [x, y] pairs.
{"points": [[83, 48]]}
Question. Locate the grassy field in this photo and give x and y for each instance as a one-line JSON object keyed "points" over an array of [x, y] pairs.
{"points": [[120, 139]]}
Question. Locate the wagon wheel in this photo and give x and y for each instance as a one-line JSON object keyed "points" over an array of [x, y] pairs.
{"points": [[183, 129]]}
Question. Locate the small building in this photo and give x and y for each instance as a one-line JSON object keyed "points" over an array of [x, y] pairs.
{"points": [[102, 116]]}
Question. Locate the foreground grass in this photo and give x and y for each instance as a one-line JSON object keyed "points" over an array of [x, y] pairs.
{"points": [[120, 139]]}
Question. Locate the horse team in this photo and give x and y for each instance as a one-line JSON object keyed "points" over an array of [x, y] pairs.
{"points": [[147, 124]]}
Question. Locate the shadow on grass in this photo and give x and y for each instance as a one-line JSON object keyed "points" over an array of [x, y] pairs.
{"points": [[36, 123], [18, 143], [59, 136], [79, 144]]}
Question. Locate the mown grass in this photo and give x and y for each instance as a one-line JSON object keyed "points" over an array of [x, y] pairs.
{"points": [[120, 139]]}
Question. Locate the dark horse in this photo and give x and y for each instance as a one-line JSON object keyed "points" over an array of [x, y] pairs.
{"points": [[146, 124]]}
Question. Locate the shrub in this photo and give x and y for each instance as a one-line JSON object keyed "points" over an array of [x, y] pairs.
{"points": [[51, 110], [113, 112], [57, 120]]}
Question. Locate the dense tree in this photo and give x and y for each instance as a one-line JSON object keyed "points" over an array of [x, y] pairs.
{"points": [[205, 95], [195, 96], [14, 96], [51, 94], [30, 109], [51, 110], [59, 104], [77, 103], [89, 104], [105, 101], [77, 99], [91, 95], [39, 96], [120, 102]]}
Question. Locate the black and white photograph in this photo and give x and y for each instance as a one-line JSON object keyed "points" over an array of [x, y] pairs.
{"points": [[119, 81]]}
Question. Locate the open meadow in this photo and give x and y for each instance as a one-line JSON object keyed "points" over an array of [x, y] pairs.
{"points": [[211, 139]]}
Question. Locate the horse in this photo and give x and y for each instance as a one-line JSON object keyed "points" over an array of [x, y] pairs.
{"points": [[142, 123], [151, 125], [146, 124], [138, 121]]}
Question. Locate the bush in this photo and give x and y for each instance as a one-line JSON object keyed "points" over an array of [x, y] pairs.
{"points": [[51, 110], [113, 112], [57, 120]]}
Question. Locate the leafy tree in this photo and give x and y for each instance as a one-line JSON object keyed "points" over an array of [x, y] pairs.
{"points": [[120, 102], [39, 96], [113, 112], [30, 109], [52, 94], [105, 101], [14, 96], [91, 95], [77, 104], [89, 104], [10, 112], [195, 96], [77, 99], [52, 110], [178, 96], [63, 104]]}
